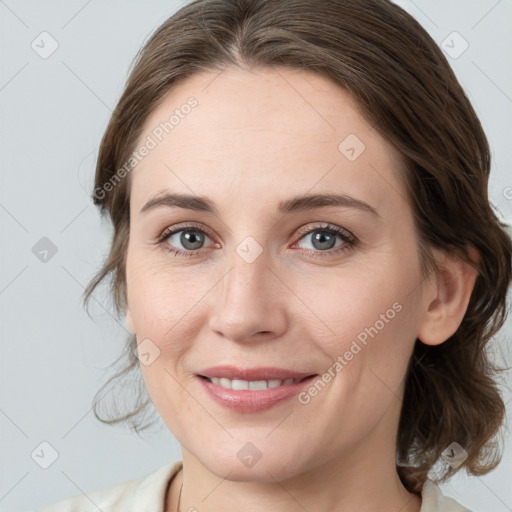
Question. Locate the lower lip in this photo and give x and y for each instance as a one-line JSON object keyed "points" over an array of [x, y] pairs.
{"points": [[252, 400]]}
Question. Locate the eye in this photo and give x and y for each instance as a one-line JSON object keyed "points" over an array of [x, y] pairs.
{"points": [[189, 237], [323, 239]]}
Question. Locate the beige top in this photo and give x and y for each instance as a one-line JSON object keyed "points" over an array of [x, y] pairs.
{"points": [[148, 495]]}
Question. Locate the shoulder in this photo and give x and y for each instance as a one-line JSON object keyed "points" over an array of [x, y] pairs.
{"points": [[146, 493], [433, 500]]}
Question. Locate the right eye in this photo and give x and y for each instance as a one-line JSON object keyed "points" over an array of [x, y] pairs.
{"points": [[191, 239]]}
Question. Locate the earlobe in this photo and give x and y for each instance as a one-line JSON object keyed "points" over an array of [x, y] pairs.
{"points": [[448, 299], [129, 321]]}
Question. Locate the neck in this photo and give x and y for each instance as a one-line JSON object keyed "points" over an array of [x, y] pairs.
{"points": [[322, 489], [364, 480]]}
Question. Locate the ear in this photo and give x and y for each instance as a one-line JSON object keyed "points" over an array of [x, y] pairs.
{"points": [[129, 321], [447, 298]]}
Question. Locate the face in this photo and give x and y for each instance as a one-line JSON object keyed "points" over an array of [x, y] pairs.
{"points": [[250, 279]]}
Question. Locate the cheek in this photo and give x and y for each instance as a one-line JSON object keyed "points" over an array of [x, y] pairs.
{"points": [[169, 397], [363, 304], [364, 322], [161, 298]]}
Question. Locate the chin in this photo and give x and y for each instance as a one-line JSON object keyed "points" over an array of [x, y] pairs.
{"points": [[252, 465]]}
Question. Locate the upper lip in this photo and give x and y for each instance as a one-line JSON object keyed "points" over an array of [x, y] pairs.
{"points": [[250, 374]]}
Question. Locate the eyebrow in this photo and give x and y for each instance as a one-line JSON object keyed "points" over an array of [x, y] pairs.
{"points": [[295, 204]]}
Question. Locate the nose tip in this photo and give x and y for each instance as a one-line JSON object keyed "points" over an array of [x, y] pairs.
{"points": [[246, 329]]}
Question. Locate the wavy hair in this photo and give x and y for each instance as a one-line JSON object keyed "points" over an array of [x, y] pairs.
{"points": [[406, 89]]}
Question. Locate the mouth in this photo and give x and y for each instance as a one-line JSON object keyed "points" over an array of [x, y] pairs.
{"points": [[252, 390], [253, 385]]}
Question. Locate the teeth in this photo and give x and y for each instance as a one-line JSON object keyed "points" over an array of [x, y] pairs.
{"points": [[258, 384], [225, 383], [239, 384]]}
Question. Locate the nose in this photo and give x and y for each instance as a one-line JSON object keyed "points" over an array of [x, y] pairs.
{"points": [[249, 303]]}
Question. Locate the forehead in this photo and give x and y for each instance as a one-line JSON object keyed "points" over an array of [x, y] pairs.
{"points": [[221, 130]]}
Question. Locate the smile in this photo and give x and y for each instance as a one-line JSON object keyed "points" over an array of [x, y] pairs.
{"points": [[251, 390], [239, 384]]}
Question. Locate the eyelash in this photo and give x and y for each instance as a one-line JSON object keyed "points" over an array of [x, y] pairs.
{"points": [[350, 240]]}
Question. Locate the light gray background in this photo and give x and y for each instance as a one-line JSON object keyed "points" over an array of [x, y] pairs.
{"points": [[53, 113]]}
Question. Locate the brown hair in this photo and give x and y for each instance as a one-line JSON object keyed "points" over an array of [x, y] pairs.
{"points": [[405, 87]]}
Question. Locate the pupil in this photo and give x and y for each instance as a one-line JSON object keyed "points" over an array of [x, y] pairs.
{"points": [[320, 237], [196, 239]]}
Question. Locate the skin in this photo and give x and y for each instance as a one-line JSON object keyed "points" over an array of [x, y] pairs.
{"points": [[257, 137]]}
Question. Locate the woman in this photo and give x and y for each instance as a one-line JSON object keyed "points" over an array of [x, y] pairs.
{"points": [[306, 256]]}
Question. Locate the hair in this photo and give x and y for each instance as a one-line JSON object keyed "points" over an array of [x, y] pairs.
{"points": [[405, 88]]}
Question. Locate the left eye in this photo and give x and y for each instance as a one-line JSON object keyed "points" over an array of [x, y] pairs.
{"points": [[324, 239]]}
